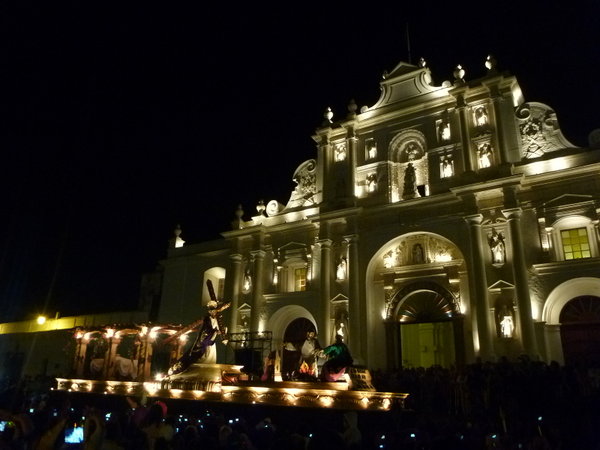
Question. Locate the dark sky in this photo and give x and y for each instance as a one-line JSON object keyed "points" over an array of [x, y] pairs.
{"points": [[120, 121]]}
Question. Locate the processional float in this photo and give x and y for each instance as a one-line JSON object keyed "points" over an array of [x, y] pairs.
{"points": [[219, 383]]}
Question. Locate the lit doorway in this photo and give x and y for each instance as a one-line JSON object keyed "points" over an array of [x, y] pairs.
{"points": [[426, 328]]}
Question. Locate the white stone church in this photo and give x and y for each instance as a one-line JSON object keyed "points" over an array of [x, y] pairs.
{"points": [[439, 225]]}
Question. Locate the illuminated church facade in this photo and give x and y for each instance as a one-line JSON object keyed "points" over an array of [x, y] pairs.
{"points": [[441, 224]]}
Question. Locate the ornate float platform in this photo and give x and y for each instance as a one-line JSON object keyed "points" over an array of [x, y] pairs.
{"points": [[225, 383]]}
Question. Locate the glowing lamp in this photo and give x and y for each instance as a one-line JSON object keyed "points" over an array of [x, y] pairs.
{"points": [[41, 320]]}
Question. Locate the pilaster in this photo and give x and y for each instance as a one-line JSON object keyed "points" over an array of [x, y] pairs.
{"points": [[236, 281], [479, 297], [326, 263], [513, 216], [257, 288]]}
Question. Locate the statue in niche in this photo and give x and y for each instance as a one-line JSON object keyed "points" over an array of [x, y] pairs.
{"points": [[507, 325], [341, 326], [247, 285], [443, 131], [372, 182], [342, 269], [410, 183], [340, 152], [497, 247], [371, 149], [418, 255], [400, 252], [447, 167], [481, 116], [245, 322], [485, 156]]}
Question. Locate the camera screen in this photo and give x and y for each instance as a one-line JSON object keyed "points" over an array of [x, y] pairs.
{"points": [[4, 424], [74, 435]]}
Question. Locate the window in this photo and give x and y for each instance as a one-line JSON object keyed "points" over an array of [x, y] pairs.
{"points": [[575, 243], [300, 279], [572, 237]]}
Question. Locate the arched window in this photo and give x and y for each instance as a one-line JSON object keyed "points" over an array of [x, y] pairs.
{"points": [[217, 276]]}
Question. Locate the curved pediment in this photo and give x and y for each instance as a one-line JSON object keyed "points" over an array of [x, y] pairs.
{"points": [[405, 82]]}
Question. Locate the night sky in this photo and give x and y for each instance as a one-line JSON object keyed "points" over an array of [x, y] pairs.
{"points": [[119, 122]]}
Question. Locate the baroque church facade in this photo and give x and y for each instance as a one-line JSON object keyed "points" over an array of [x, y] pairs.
{"points": [[442, 224]]}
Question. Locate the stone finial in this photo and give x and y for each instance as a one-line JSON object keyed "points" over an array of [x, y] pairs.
{"points": [[328, 114], [352, 107], [422, 63], [490, 64], [237, 223], [177, 242], [459, 75]]}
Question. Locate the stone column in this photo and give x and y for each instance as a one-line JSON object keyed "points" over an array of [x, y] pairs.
{"points": [[479, 296], [236, 281], [352, 144], [326, 262], [356, 308], [257, 288], [497, 101], [519, 265], [465, 137]]}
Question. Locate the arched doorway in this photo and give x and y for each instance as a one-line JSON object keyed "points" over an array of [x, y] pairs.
{"points": [[580, 330], [418, 270], [428, 326], [289, 325], [293, 337]]}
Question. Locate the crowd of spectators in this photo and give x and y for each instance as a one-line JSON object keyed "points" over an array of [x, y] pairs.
{"points": [[522, 404]]}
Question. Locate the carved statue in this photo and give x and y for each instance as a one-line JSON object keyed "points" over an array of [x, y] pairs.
{"points": [[485, 156], [496, 242], [507, 325], [341, 271], [410, 183], [417, 254], [481, 116], [447, 168]]}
